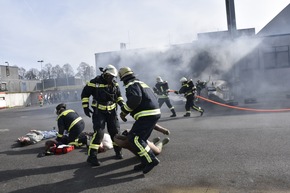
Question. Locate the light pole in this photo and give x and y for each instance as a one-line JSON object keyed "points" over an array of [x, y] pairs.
{"points": [[42, 74]]}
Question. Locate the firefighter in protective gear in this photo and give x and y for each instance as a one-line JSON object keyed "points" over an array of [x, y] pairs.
{"points": [[106, 95], [161, 89], [188, 89], [70, 126], [142, 104], [200, 85]]}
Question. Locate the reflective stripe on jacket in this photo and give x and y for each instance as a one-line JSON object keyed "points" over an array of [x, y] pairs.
{"points": [[141, 100]]}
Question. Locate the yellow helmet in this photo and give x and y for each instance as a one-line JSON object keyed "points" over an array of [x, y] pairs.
{"points": [[110, 69], [125, 71], [183, 79]]}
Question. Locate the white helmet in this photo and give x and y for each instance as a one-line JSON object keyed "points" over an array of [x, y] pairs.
{"points": [[183, 79], [110, 69], [159, 79]]}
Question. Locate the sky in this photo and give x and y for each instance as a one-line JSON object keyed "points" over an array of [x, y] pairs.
{"points": [[72, 31]]}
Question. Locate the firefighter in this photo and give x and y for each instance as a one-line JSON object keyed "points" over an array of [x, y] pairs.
{"points": [[142, 104], [199, 86], [106, 95], [161, 89], [188, 89], [70, 126]]}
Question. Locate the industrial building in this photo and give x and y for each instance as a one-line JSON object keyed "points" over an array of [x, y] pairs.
{"points": [[254, 64]]}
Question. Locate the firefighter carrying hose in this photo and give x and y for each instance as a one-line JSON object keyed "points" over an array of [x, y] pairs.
{"points": [[161, 89], [106, 95], [200, 85], [188, 89], [143, 106]]}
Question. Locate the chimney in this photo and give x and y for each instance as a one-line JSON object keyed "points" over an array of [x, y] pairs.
{"points": [[231, 17]]}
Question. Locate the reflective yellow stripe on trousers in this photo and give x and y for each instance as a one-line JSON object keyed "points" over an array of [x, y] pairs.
{"points": [[147, 113]]}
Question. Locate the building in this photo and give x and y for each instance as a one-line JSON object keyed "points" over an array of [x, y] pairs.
{"points": [[253, 64], [267, 67]]}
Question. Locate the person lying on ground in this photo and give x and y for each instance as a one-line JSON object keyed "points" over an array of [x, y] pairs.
{"points": [[156, 145], [35, 136], [84, 136]]}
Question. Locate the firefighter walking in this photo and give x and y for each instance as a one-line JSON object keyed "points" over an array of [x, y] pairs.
{"points": [[188, 89], [106, 95], [40, 99], [161, 89], [143, 106]]}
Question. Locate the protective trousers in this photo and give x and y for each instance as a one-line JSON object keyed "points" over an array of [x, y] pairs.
{"points": [[190, 104], [100, 119], [138, 136], [168, 103]]}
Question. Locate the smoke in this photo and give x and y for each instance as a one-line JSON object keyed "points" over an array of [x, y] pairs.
{"points": [[202, 59]]}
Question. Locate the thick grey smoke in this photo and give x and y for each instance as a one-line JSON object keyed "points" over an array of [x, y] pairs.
{"points": [[203, 59]]}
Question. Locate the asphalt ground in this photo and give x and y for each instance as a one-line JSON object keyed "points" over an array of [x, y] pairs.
{"points": [[225, 150]]}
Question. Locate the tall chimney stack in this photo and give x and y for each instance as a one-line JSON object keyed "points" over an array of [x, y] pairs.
{"points": [[231, 17]]}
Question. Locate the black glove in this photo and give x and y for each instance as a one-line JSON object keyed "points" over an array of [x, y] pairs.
{"points": [[88, 111], [176, 92], [123, 116]]}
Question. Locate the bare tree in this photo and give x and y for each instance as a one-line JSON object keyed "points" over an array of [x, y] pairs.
{"points": [[21, 72], [47, 71], [57, 72], [68, 70], [84, 71], [32, 74]]}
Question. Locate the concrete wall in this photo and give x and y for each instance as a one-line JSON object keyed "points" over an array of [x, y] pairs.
{"points": [[8, 100], [15, 99]]}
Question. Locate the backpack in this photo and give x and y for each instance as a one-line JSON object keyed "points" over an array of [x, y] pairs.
{"points": [[61, 149]]}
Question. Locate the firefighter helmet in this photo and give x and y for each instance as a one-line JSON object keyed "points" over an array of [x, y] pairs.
{"points": [[183, 79], [159, 79], [110, 69], [60, 106], [125, 71]]}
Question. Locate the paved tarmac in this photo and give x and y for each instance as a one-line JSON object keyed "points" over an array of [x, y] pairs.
{"points": [[223, 151]]}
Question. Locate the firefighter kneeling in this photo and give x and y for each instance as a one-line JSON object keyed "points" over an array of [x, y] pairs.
{"points": [[143, 106]]}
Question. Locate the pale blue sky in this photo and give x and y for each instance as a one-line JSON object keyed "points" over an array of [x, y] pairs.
{"points": [[72, 31]]}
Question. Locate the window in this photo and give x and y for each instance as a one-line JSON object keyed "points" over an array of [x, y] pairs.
{"points": [[3, 86], [277, 57], [269, 60]]}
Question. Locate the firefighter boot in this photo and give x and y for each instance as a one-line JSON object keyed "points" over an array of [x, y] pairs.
{"points": [[187, 115], [173, 113], [151, 165], [92, 159], [201, 111], [145, 165], [118, 151]]}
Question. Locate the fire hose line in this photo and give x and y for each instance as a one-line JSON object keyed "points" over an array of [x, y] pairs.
{"points": [[242, 108]]}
